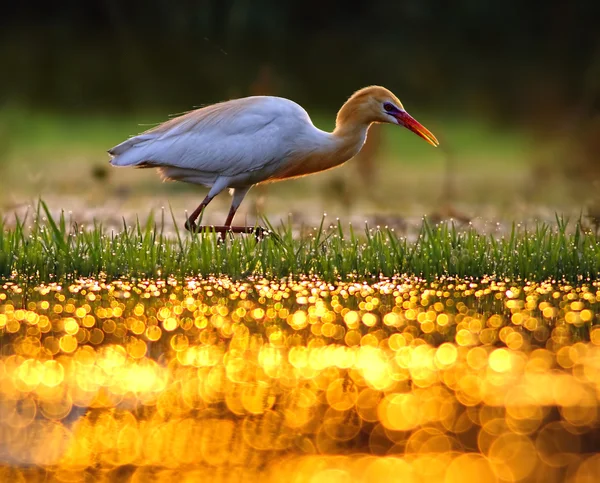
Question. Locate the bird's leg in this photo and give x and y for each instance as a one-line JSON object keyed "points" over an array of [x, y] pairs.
{"points": [[228, 220], [238, 196], [230, 215], [190, 224], [227, 228]]}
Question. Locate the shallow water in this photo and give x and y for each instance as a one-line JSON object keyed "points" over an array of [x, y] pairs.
{"points": [[213, 379]]}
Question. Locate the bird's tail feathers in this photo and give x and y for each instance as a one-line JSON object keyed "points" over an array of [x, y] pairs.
{"points": [[128, 153]]}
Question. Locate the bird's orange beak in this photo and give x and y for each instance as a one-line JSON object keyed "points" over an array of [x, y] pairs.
{"points": [[409, 122]]}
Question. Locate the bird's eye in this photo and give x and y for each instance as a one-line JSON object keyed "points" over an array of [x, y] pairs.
{"points": [[388, 106]]}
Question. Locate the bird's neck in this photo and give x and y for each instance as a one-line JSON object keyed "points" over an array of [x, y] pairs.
{"points": [[327, 150], [351, 126], [349, 137]]}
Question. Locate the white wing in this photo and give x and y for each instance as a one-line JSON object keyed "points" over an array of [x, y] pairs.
{"points": [[226, 139]]}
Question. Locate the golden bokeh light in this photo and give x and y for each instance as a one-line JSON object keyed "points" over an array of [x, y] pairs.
{"points": [[303, 381]]}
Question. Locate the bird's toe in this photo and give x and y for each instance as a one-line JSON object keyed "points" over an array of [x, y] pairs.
{"points": [[260, 232], [190, 226]]}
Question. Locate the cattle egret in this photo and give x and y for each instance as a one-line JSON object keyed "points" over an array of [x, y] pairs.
{"points": [[243, 142]]}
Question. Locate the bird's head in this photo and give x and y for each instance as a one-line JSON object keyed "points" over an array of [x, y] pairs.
{"points": [[377, 104]]}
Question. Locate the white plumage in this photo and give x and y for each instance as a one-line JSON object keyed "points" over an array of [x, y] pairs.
{"points": [[242, 142], [213, 142]]}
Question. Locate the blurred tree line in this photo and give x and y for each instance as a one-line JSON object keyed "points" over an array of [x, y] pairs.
{"points": [[499, 59]]}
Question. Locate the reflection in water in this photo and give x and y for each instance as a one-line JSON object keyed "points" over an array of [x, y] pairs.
{"points": [[400, 380]]}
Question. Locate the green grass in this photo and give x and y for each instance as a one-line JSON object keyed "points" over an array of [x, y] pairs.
{"points": [[42, 249]]}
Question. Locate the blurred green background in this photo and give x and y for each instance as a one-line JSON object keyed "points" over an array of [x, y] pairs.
{"points": [[510, 88]]}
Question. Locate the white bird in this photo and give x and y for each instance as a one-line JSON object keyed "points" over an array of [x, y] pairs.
{"points": [[243, 142]]}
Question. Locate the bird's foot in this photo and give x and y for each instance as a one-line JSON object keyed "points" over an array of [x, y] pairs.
{"points": [[258, 231], [191, 226]]}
